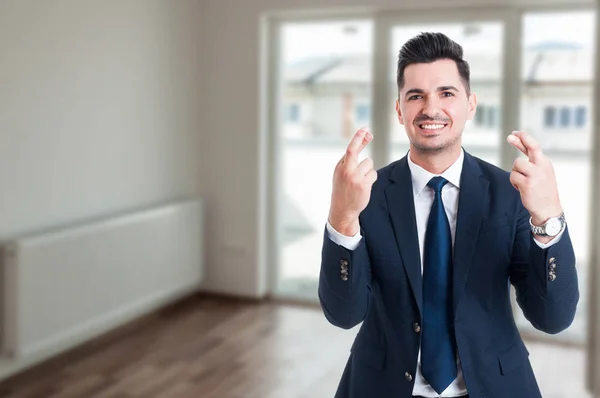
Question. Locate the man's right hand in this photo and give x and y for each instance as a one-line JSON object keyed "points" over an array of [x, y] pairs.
{"points": [[352, 182]]}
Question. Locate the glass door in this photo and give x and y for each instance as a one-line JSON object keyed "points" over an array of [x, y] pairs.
{"points": [[324, 97], [556, 97]]}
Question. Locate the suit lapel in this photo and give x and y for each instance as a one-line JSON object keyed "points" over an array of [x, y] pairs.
{"points": [[471, 203], [400, 202]]}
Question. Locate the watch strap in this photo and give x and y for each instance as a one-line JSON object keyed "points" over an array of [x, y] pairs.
{"points": [[541, 229]]}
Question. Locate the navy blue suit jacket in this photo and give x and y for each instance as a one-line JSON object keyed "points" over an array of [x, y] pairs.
{"points": [[493, 248]]}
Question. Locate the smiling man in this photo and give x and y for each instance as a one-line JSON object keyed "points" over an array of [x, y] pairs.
{"points": [[423, 251]]}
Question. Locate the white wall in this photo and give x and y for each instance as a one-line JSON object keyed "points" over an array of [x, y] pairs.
{"points": [[232, 184], [99, 108]]}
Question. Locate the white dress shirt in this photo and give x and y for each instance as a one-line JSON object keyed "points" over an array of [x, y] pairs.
{"points": [[423, 199]]}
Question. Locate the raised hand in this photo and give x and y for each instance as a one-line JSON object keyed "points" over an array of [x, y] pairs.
{"points": [[352, 182], [534, 178]]}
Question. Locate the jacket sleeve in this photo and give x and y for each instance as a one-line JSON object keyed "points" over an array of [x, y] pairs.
{"points": [[344, 282], [545, 279]]}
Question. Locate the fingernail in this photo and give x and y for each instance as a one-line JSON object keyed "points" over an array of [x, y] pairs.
{"points": [[515, 132], [511, 137], [369, 136]]}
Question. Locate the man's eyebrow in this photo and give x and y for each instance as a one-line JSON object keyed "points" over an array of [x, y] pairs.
{"points": [[446, 88], [421, 91], [415, 91]]}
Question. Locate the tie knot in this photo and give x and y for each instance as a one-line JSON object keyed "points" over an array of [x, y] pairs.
{"points": [[437, 183]]}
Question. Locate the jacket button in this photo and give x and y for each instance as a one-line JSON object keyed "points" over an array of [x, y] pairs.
{"points": [[551, 277], [416, 327], [408, 376], [344, 277]]}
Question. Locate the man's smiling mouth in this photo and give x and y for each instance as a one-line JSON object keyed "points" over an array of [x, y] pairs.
{"points": [[432, 126]]}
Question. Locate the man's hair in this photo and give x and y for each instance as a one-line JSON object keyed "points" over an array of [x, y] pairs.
{"points": [[430, 47]]}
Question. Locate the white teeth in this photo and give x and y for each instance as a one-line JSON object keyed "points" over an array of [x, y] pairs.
{"points": [[432, 126]]}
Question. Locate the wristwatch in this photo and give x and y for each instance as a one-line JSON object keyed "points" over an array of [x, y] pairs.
{"points": [[552, 227]]}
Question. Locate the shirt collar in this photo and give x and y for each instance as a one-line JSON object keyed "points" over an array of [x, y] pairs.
{"points": [[420, 177]]}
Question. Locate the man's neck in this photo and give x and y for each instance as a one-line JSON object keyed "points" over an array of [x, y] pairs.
{"points": [[435, 162]]}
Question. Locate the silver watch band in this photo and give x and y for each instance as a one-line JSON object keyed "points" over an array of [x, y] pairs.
{"points": [[541, 229]]}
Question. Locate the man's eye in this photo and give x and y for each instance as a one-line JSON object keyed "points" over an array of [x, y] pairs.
{"points": [[447, 94], [414, 97]]}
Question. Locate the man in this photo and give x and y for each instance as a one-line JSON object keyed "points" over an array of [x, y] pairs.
{"points": [[423, 251]]}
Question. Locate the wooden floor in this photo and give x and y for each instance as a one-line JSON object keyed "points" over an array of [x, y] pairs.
{"points": [[207, 348], [212, 347]]}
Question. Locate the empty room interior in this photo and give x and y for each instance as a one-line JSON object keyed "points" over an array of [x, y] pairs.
{"points": [[168, 168]]}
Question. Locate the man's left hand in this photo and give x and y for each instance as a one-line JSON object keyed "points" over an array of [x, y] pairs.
{"points": [[534, 178]]}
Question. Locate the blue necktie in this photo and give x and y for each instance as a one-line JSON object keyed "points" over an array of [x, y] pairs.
{"points": [[438, 347]]}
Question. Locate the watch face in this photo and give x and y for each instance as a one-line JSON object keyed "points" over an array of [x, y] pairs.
{"points": [[553, 227]]}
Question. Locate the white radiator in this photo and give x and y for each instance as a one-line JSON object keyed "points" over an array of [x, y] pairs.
{"points": [[64, 287]]}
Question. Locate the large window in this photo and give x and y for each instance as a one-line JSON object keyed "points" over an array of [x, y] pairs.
{"points": [[328, 90], [557, 88], [325, 71]]}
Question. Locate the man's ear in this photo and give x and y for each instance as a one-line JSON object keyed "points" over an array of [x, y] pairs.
{"points": [[399, 113], [472, 106]]}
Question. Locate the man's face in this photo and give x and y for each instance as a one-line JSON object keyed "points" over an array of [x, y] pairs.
{"points": [[434, 106]]}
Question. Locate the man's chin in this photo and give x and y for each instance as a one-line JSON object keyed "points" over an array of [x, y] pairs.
{"points": [[434, 145], [431, 146]]}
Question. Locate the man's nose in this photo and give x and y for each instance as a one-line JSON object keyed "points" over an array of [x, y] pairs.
{"points": [[432, 107]]}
